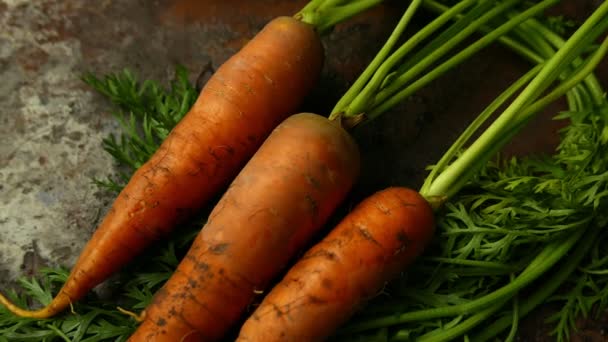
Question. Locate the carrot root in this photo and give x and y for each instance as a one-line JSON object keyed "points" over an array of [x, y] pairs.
{"points": [[137, 317], [58, 304]]}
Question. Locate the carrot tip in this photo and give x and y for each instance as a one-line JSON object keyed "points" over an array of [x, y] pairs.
{"points": [[43, 313], [139, 318]]}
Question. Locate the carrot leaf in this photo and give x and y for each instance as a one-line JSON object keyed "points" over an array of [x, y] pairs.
{"points": [[146, 112]]}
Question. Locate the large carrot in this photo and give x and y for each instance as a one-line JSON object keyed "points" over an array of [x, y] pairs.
{"points": [[374, 242], [243, 101], [282, 196]]}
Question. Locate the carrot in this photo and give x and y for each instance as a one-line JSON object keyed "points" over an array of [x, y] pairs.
{"points": [[284, 194], [243, 101], [374, 242]]}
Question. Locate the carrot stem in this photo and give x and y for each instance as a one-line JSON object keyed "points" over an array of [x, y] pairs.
{"points": [[453, 332], [395, 93], [461, 30], [461, 167], [346, 102], [579, 75], [514, 45], [528, 32], [457, 146], [557, 41], [379, 68], [527, 114], [546, 290], [325, 14], [371, 68]]}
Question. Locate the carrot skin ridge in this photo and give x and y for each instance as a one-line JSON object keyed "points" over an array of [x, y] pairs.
{"points": [[279, 200], [242, 102], [370, 246]]}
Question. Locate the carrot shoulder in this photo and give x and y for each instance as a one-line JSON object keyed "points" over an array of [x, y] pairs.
{"points": [[243, 101], [282, 197], [371, 245]]}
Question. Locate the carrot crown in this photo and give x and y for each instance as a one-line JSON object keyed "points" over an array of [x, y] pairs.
{"points": [[325, 14]]}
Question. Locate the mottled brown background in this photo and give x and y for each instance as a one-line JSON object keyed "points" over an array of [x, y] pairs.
{"points": [[51, 124]]}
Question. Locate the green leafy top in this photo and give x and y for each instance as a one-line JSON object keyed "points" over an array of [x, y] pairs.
{"points": [[146, 112]]}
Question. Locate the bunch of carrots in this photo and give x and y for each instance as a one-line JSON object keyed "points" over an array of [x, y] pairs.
{"points": [[287, 173]]}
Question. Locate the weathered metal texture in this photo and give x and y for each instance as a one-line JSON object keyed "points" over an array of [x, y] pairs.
{"points": [[51, 123]]}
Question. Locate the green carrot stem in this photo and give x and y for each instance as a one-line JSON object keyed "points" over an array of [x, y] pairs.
{"points": [[325, 14], [582, 73], [539, 42], [327, 4], [412, 72], [473, 321], [408, 46], [442, 186], [524, 51], [528, 113], [462, 21], [516, 46], [447, 40], [512, 44], [514, 319], [394, 94], [541, 39], [310, 13], [377, 61], [547, 289], [342, 13], [598, 272], [458, 145], [591, 82], [535, 40], [472, 263], [459, 329]]}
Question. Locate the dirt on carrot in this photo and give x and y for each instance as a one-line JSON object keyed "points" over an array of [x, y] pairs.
{"points": [[370, 246], [280, 199]]}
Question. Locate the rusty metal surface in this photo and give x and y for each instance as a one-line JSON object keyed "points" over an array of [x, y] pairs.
{"points": [[51, 124]]}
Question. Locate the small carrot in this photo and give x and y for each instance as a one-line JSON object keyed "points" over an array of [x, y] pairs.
{"points": [[279, 200], [373, 243], [243, 101]]}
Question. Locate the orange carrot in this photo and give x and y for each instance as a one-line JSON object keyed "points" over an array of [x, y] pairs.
{"points": [[244, 100], [371, 245], [283, 196]]}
